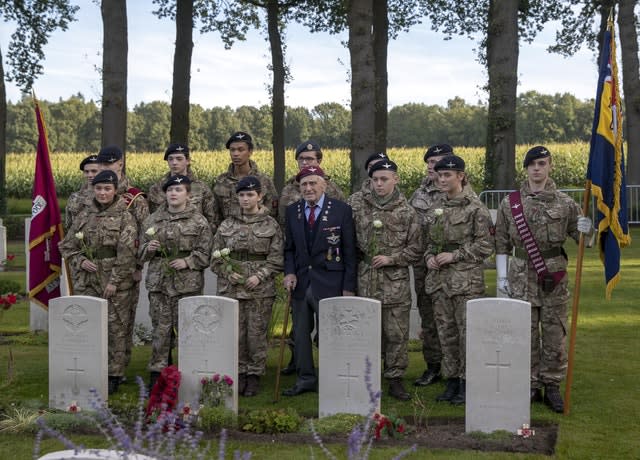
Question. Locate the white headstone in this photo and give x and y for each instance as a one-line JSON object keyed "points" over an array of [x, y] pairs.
{"points": [[78, 343], [207, 344], [415, 321], [350, 333], [38, 316], [3, 242], [93, 454], [498, 364]]}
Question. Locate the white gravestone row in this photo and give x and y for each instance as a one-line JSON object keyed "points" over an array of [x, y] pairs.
{"points": [[77, 350], [498, 364], [3, 243], [350, 334]]}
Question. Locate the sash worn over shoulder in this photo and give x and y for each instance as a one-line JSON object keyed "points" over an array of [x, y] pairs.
{"points": [[135, 193], [546, 279]]}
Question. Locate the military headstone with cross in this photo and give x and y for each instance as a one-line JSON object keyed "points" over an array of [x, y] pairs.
{"points": [[207, 344], [349, 334], [78, 343], [498, 364]]}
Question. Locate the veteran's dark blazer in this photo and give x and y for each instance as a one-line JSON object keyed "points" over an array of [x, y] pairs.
{"points": [[330, 266]]}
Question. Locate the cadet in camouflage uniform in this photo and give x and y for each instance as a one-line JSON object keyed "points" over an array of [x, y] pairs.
{"points": [[240, 148], [101, 246], [177, 158], [551, 216], [176, 241], [459, 238], [256, 247], [428, 197], [110, 158], [389, 239], [78, 200]]}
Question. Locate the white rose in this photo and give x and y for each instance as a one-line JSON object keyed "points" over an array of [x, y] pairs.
{"points": [[225, 252], [438, 212], [216, 254], [79, 235], [150, 231], [377, 223]]}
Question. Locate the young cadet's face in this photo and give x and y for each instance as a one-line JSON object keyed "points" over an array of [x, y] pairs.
{"points": [[90, 171], [248, 200], [177, 195], [450, 182], [307, 159], [538, 170], [104, 193], [178, 163], [431, 162], [240, 153], [384, 182], [116, 167]]}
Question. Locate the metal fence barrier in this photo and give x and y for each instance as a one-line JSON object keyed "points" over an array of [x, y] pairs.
{"points": [[492, 199]]}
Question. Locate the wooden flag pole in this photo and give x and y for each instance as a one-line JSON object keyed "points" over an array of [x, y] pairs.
{"points": [[576, 301]]}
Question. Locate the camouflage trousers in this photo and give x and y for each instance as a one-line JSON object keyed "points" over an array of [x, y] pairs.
{"points": [[548, 345], [430, 341], [133, 305], [119, 320], [253, 343], [451, 321], [163, 311], [395, 339]]}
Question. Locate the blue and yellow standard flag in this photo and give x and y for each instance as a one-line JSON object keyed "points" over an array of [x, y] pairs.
{"points": [[606, 165]]}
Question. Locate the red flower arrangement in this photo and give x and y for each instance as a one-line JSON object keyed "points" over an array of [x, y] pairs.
{"points": [[7, 300], [391, 426], [164, 395]]}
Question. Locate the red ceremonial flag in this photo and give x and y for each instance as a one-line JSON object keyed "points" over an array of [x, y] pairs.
{"points": [[46, 226]]}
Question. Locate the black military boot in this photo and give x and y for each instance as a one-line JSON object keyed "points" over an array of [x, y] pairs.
{"points": [[114, 382], [553, 399], [242, 383], [450, 391], [153, 377], [396, 389], [461, 396], [536, 395], [253, 385], [431, 375]]}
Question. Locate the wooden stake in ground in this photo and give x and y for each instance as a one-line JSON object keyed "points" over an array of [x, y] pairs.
{"points": [[283, 337]]}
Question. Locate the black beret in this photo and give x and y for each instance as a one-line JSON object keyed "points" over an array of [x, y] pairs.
{"points": [[110, 154], [91, 159], [106, 177], [240, 136], [438, 150], [176, 147], [175, 180], [309, 171], [250, 183], [374, 157], [308, 146], [387, 165], [534, 153], [450, 163]]}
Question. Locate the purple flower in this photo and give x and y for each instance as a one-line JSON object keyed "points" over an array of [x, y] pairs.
{"points": [[216, 378]]}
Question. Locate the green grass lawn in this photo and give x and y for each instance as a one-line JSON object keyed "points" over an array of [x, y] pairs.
{"points": [[604, 422]]}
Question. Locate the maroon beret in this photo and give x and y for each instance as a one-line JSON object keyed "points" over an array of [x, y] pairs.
{"points": [[310, 171]]}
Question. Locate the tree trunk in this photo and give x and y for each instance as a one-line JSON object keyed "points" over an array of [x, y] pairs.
{"points": [[179, 131], [363, 100], [631, 87], [380, 46], [277, 102], [114, 73], [3, 141], [502, 66]]}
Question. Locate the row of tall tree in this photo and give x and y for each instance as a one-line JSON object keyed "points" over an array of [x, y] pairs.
{"points": [[500, 24], [74, 124]]}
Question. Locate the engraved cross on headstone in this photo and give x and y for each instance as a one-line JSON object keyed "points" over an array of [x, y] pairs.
{"points": [[348, 377], [206, 372], [498, 365], [75, 390]]}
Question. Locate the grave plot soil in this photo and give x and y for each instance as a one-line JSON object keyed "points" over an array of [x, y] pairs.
{"points": [[439, 434]]}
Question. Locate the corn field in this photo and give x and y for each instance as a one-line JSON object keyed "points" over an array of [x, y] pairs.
{"points": [[144, 169]]}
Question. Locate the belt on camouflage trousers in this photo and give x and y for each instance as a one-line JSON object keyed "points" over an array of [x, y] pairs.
{"points": [[105, 253], [175, 255], [449, 247], [245, 256], [521, 253]]}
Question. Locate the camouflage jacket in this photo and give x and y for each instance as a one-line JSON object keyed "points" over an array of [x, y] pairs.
{"points": [[291, 193], [107, 236], [182, 235], [257, 248], [552, 216], [224, 191], [201, 198], [399, 238], [76, 202], [464, 229], [138, 206]]}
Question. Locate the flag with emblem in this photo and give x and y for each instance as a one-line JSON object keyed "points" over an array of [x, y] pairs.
{"points": [[606, 170], [46, 226]]}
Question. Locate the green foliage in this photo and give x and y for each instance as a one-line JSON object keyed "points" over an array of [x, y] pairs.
{"points": [[340, 424], [271, 421], [9, 286], [67, 422], [213, 418], [19, 420]]}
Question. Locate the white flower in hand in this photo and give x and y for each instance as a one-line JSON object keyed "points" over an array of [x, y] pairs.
{"points": [[225, 252], [216, 254], [377, 223], [438, 212], [150, 231], [79, 235]]}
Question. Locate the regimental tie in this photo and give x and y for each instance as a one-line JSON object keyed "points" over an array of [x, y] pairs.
{"points": [[312, 215]]}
